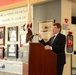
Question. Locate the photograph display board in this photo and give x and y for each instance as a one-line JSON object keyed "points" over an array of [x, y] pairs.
{"points": [[2, 36], [12, 50], [1, 52], [13, 33], [45, 29], [22, 40]]}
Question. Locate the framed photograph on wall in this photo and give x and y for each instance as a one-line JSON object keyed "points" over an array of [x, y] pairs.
{"points": [[12, 50], [22, 40], [2, 36], [1, 52], [45, 29], [13, 33]]}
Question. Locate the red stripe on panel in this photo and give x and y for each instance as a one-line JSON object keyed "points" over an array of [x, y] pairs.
{"points": [[7, 2]]}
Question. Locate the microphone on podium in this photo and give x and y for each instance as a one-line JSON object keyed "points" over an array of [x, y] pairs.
{"points": [[33, 35]]}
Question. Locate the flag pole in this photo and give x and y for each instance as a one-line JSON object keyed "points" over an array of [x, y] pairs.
{"points": [[29, 18], [29, 23]]}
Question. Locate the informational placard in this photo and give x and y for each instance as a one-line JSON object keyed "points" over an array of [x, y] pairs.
{"points": [[13, 33], [66, 24], [11, 66], [45, 29], [1, 52], [12, 50], [2, 36], [14, 15], [22, 40]]}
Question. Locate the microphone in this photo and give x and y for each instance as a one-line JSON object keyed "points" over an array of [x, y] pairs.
{"points": [[33, 35]]}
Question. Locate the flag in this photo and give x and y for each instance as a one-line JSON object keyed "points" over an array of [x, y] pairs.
{"points": [[29, 23]]}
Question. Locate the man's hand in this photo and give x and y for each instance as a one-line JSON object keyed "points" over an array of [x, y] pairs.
{"points": [[47, 47], [39, 35]]}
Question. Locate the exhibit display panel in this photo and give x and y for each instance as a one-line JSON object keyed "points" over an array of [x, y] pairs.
{"points": [[11, 66]]}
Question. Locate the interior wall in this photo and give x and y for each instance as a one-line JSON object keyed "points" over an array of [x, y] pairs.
{"points": [[66, 13], [73, 29], [74, 9], [46, 11]]}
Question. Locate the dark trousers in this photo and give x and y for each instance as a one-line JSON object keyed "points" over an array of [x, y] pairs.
{"points": [[60, 69]]}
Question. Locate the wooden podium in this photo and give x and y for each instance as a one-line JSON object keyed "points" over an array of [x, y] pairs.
{"points": [[41, 61]]}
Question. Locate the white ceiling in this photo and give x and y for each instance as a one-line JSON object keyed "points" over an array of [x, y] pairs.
{"points": [[73, 8]]}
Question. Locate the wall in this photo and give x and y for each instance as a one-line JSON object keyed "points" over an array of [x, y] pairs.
{"points": [[46, 11], [73, 29], [66, 4]]}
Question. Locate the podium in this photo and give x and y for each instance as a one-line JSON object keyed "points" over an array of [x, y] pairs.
{"points": [[41, 61]]}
